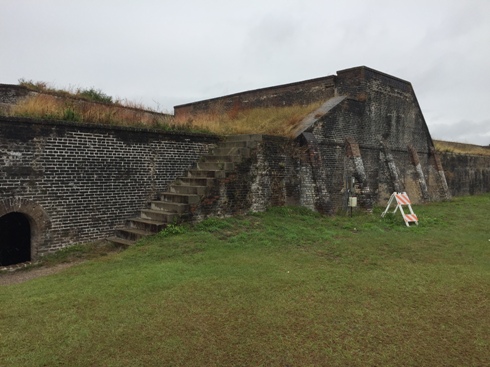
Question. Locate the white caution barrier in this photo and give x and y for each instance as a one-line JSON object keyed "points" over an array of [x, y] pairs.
{"points": [[401, 200]]}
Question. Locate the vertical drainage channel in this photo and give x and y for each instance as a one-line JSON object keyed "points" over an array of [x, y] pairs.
{"points": [[15, 239]]}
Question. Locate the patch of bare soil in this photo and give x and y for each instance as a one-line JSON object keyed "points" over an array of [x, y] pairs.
{"points": [[56, 262], [21, 276]]}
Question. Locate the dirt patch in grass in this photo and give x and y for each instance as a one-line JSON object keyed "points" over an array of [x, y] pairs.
{"points": [[54, 263], [21, 276]]}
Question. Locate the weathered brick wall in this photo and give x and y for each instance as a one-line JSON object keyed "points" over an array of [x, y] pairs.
{"points": [[273, 175], [89, 179], [11, 94], [466, 174], [281, 171], [376, 135], [382, 116], [378, 113]]}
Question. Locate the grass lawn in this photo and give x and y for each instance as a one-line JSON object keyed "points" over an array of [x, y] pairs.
{"points": [[283, 288]]}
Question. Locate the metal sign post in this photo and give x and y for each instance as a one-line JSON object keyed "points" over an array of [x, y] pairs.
{"points": [[352, 203]]}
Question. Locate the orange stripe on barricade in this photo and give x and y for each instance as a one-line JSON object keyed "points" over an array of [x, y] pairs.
{"points": [[402, 199], [411, 218]]}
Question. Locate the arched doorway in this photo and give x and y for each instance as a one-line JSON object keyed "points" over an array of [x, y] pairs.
{"points": [[15, 239]]}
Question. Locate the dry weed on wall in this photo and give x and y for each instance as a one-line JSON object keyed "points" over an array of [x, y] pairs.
{"points": [[281, 121], [460, 148], [44, 106]]}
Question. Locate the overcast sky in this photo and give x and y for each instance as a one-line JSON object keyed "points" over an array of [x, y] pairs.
{"points": [[164, 53]]}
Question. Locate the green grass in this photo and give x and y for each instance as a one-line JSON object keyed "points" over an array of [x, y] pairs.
{"points": [[283, 288]]}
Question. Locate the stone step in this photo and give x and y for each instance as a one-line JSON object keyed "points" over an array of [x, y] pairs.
{"points": [[242, 137], [120, 241], [187, 189], [220, 158], [195, 181], [216, 166], [164, 216], [180, 198], [145, 224], [198, 173], [131, 234], [238, 144], [168, 206], [232, 150], [174, 205]]}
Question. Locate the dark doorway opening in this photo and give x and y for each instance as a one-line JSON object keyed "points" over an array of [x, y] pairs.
{"points": [[15, 239]]}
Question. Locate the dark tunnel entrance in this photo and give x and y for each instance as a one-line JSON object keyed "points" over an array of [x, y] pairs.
{"points": [[15, 239]]}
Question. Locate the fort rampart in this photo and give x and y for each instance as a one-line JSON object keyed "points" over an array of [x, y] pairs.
{"points": [[76, 182]]}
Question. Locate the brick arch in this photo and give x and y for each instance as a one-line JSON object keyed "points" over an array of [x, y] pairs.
{"points": [[38, 220]]}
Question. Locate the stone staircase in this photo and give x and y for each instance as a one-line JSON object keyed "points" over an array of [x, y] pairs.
{"points": [[174, 205]]}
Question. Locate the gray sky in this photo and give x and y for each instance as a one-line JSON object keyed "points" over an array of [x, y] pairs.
{"points": [[164, 53]]}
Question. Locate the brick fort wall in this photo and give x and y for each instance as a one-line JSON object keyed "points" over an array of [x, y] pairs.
{"points": [[89, 179]]}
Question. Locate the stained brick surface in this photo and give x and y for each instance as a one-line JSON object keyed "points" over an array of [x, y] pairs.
{"points": [[87, 178], [466, 174], [376, 135]]}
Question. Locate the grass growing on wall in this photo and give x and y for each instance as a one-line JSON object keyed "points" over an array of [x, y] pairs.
{"points": [[87, 94], [89, 105], [282, 288], [74, 104], [50, 107], [280, 121], [94, 106], [460, 148]]}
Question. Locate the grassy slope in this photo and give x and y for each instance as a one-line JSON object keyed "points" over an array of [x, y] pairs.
{"points": [[281, 121], [284, 288], [460, 148]]}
